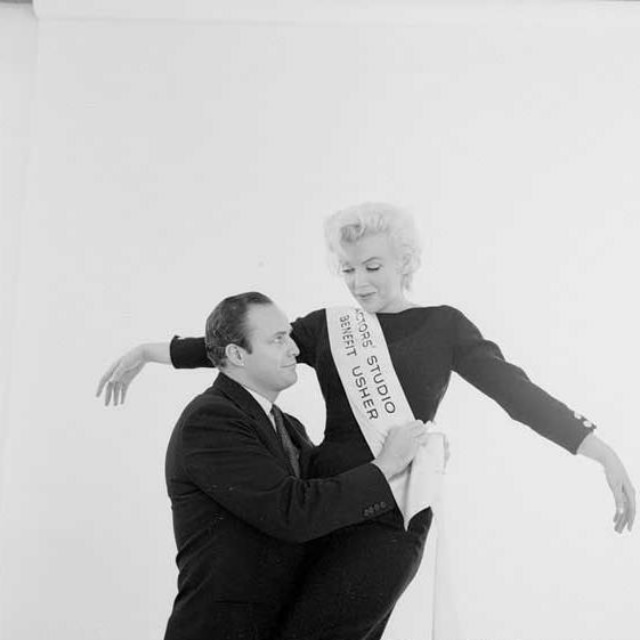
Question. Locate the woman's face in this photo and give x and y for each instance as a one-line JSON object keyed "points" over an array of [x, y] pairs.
{"points": [[373, 272]]}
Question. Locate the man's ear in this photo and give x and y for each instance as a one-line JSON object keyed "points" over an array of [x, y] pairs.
{"points": [[235, 355]]}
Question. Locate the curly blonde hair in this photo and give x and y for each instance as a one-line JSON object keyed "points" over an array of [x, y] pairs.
{"points": [[370, 218]]}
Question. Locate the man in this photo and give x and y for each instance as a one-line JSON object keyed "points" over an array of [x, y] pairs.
{"points": [[241, 511]]}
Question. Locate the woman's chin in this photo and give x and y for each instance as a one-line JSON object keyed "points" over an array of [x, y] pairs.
{"points": [[370, 305]]}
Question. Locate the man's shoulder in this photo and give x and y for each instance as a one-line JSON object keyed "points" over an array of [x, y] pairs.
{"points": [[211, 405]]}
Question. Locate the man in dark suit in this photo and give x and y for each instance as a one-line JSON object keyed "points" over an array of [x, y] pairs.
{"points": [[234, 470]]}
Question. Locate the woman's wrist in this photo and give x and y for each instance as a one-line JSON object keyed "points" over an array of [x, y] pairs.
{"points": [[594, 448], [154, 352]]}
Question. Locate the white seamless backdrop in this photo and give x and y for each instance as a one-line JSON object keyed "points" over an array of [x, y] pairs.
{"points": [[171, 165]]}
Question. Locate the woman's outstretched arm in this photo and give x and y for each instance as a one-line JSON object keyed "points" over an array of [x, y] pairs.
{"points": [[191, 353], [481, 363], [118, 376]]}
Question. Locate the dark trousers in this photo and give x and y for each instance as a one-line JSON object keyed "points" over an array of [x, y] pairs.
{"points": [[354, 578]]}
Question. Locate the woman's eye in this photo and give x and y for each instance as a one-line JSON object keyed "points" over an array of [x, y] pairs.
{"points": [[347, 270], [374, 268]]}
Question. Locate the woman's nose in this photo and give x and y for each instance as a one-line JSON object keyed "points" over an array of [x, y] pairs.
{"points": [[359, 279]]}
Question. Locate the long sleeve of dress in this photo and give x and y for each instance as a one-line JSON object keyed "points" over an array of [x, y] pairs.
{"points": [[191, 353], [481, 363], [188, 353]]}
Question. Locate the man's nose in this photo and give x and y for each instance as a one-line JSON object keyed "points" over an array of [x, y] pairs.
{"points": [[293, 347]]}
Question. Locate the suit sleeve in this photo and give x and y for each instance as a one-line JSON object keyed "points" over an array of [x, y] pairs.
{"points": [[480, 362], [226, 459]]}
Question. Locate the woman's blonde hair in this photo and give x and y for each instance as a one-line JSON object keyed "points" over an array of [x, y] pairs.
{"points": [[371, 218]]}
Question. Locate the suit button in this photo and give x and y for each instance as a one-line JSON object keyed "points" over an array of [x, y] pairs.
{"points": [[383, 504]]}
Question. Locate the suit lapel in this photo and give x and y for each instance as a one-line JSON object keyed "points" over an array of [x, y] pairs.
{"points": [[247, 403]]}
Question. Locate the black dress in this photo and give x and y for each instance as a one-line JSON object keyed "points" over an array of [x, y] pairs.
{"points": [[356, 575]]}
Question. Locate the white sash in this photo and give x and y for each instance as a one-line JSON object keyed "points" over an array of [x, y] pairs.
{"points": [[378, 403]]}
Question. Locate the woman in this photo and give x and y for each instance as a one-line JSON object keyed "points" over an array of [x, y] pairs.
{"points": [[357, 574]]}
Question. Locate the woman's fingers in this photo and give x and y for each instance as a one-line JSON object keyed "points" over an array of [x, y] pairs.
{"points": [[111, 381], [630, 497], [108, 394], [619, 517], [105, 378], [624, 496], [117, 392], [117, 379]]}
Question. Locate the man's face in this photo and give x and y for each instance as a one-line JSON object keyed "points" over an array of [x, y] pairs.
{"points": [[271, 365]]}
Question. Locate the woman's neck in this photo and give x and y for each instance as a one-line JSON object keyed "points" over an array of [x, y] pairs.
{"points": [[398, 306]]}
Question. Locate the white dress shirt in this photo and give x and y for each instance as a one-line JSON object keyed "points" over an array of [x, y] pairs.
{"points": [[264, 403]]}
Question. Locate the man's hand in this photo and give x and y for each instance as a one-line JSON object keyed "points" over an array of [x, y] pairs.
{"points": [[400, 447]]}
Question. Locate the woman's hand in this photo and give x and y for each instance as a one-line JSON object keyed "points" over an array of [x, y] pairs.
{"points": [[119, 375], [623, 493], [617, 477]]}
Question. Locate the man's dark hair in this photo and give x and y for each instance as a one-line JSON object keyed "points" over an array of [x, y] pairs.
{"points": [[227, 324]]}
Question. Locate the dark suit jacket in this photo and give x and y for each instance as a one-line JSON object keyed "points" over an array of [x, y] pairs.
{"points": [[240, 516]]}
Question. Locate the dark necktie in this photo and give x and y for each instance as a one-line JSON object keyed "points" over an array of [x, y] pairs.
{"points": [[290, 449]]}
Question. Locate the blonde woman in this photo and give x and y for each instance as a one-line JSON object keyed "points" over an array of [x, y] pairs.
{"points": [[356, 575]]}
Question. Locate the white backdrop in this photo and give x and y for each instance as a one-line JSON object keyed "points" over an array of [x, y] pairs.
{"points": [[174, 164], [17, 72]]}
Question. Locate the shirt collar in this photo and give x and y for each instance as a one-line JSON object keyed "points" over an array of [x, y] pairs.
{"points": [[262, 401]]}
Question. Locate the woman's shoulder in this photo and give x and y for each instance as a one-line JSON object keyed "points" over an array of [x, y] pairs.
{"points": [[307, 331], [441, 311], [311, 320], [438, 313], [445, 312]]}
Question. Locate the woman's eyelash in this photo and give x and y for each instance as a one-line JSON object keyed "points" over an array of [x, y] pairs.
{"points": [[351, 269]]}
